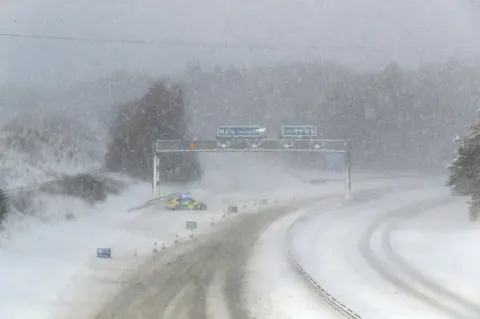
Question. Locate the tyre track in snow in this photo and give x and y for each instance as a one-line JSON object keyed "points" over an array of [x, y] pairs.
{"points": [[177, 283], [394, 269], [361, 197], [178, 286], [417, 275]]}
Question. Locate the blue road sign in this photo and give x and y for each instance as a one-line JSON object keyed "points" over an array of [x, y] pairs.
{"points": [[239, 131], [104, 252], [299, 131]]}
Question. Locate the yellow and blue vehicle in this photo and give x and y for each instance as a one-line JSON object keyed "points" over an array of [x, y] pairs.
{"points": [[184, 202]]}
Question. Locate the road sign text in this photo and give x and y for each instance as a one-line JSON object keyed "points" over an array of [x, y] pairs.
{"points": [[299, 131], [239, 131]]}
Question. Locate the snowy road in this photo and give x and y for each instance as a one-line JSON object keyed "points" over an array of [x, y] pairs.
{"points": [[274, 289], [446, 277], [391, 266], [212, 276], [204, 280], [239, 268], [360, 266]]}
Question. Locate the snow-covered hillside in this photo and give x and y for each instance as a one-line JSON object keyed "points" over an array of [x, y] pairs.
{"points": [[38, 149]]}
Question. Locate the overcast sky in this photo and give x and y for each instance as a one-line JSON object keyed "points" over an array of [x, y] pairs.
{"points": [[363, 33]]}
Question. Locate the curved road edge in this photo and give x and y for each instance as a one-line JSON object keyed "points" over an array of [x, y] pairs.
{"points": [[337, 305], [328, 298], [416, 285]]}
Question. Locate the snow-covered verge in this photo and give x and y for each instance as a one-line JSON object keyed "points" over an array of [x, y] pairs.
{"points": [[440, 247], [38, 262], [64, 199], [332, 246]]}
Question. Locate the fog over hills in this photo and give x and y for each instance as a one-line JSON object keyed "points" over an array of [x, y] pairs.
{"points": [[369, 34], [327, 63]]}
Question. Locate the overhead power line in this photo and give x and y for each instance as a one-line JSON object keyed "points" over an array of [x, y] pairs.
{"points": [[167, 43], [171, 43]]}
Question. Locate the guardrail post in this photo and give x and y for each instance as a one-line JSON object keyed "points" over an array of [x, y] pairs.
{"points": [[348, 170], [154, 184]]}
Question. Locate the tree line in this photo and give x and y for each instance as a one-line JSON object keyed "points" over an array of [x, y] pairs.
{"points": [[397, 118]]}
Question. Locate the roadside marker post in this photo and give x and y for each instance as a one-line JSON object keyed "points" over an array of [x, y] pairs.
{"points": [[192, 226]]}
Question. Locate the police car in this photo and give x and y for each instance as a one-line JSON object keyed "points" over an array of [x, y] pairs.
{"points": [[184, 202]]}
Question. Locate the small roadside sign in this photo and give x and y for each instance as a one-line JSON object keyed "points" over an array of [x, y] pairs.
{"points": [[191, 225], [104, 252]]}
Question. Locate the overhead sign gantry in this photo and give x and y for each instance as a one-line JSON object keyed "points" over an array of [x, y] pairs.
{"points": [[232, 139]]}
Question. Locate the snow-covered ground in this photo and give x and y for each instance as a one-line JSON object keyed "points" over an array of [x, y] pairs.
{"points": [[49, 266], [39, 261], [48, 261], [274, 290], [135, 237], [344, 250], [439, 248]]}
